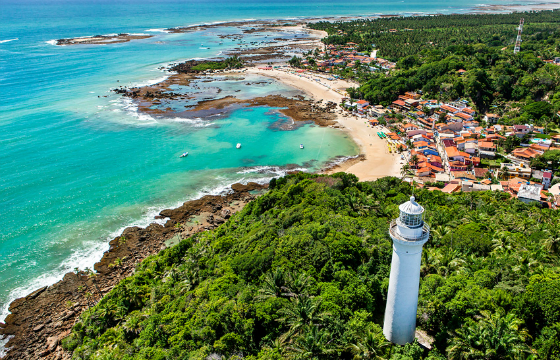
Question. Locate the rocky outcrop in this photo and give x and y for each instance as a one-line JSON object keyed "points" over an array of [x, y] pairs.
{"points": [[102, 39], [39, 321]]}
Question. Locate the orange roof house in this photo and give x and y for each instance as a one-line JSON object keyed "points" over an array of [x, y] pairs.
{"points": [[464, 116], [452, 151], [451, 188], [448, 109], [486, 145], [425, 171], [525, 153]]}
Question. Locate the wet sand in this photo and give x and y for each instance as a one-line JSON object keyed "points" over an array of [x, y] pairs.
{"points": [[377, 161]]}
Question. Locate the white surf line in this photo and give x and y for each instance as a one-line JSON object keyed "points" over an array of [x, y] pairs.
{"points": [[8, 40]]}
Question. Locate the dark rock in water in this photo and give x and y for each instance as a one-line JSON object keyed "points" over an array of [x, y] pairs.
{"points": [[43, 318]]}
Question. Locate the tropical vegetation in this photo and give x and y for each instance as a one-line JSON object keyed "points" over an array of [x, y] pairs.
{"points": [[430, 51], [302, 273]]}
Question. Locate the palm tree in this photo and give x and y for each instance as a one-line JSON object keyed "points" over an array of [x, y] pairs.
{"points": [[404, 170], [552, 243], [303, 311], [274, 284], [312, 343], [494, 336], [369, 346], [504, 174], [298, 283], [414, 160], [440, 232]]}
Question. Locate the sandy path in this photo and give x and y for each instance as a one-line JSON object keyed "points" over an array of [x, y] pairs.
{"points": [[378, 161]]}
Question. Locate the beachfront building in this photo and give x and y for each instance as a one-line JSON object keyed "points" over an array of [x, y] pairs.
{"points": [[409, 234]]}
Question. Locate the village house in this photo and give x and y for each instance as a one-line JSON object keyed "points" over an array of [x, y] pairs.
{"points": [[546, 179], [521, 130], [454, 154], [361, 104], [529, 193], [487, 149], [449, 109], [509, 171], [491, 118], [378, 110], [526, 154]]}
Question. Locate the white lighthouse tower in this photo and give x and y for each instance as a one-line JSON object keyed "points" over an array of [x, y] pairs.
{"points": [[409, 234]]}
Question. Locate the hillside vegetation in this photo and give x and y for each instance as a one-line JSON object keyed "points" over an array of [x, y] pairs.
{"points": [[302, 273], [430, 50]]}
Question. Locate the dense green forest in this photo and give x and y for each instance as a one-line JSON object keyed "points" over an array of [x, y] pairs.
{"points": [[430, 50], [302, 273], [416, 33]]}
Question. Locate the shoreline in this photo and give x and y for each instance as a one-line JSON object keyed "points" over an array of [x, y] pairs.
{"points": [[38, 321], [372, 163], [374, 160], [271, 24], [29, 329]]}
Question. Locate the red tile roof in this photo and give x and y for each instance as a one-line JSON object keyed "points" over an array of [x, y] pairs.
{"points": [[448, 108], [526, 153], [451, 188], [452, 151], [480, 172], [463, 116]]}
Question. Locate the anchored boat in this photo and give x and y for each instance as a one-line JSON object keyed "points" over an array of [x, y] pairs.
{"points": [[301, 146], [238, 145], [185, 154]]}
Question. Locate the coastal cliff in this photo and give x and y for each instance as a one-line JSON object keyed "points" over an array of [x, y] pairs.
{"points": [[304, 268], [39, 321]]}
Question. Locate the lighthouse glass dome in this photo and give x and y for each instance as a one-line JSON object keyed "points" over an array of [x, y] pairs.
{"points": [[411, 213]]}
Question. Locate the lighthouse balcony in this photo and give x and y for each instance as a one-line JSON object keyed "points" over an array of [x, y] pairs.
{"points": [[421, 235]]}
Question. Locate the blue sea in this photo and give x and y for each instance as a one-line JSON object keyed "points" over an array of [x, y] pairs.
{"points": [[78, 163]]}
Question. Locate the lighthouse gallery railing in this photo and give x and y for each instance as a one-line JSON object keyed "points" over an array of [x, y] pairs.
{"points": [[394, 233]]}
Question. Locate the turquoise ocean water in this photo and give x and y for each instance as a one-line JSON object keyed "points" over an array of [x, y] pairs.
{"points": [[76, 166]]}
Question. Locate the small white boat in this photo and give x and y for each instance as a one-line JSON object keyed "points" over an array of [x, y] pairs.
{"points": [[185, 154], [238, 145], [301, 146]]}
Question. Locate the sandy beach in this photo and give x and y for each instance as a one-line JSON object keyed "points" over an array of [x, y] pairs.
{"points": [[377, 161]]}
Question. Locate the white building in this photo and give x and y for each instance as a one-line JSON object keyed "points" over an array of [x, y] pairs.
{"points": [[409, 234], [529, 193], [546, 179]]}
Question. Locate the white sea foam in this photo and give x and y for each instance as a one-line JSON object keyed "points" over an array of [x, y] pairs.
{"points": [[90, 253], [151, 82], [157, 30], [131, 109], [52, 42], [197, 122], [276, 171], [8, 40], [3, 349]]}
